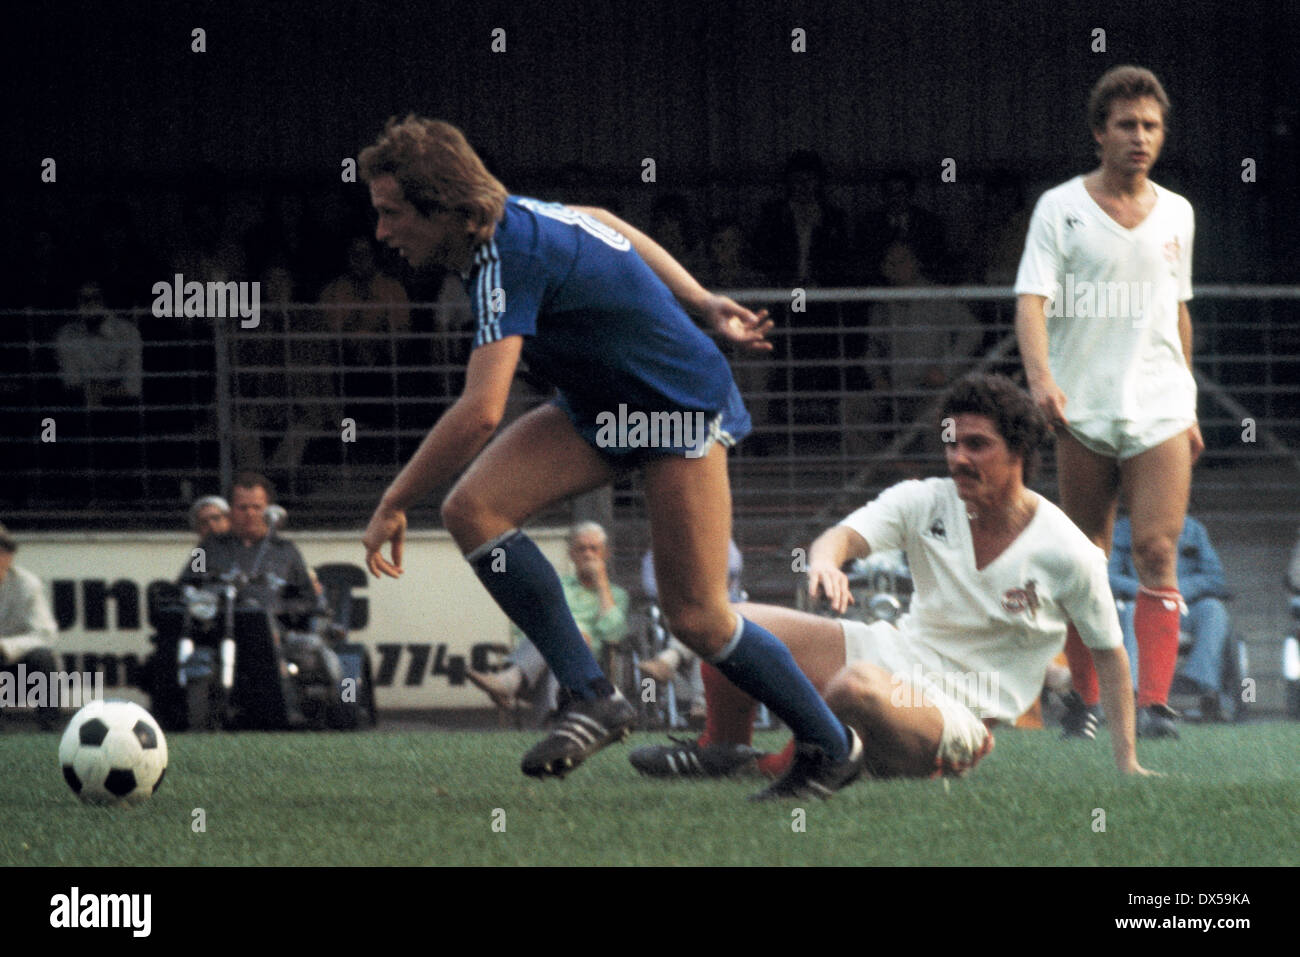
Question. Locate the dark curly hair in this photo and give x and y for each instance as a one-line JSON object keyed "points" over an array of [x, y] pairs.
{"points": [[1015, 415]]}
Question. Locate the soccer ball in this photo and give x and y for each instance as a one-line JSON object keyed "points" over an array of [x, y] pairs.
{"points": [[113, 753]]}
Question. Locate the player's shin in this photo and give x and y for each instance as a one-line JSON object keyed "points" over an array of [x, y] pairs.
{"points": [[526, 586], [760, 665], [729, 715], [1083, 674], [1155, 623]]}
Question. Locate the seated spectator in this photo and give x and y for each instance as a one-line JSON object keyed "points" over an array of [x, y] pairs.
{"points": [[27, 627], [598, 607], [369, 311], [1205, 619], [801, 237], [929, 341], [800, 243], [210, 515], [100, 357], [901, 219], [727, 264], [284, 387], [99, 352], [1008, 210], [915, 348], [672, 227]]}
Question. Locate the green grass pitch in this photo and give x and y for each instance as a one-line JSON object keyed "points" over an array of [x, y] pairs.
{"points": [[1231, 796]]}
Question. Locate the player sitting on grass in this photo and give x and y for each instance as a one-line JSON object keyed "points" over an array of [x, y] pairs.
{"points": [[999, 571], [597, 309]]}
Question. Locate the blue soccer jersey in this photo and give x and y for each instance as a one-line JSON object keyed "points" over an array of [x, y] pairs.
{"points": [[597, 323]]}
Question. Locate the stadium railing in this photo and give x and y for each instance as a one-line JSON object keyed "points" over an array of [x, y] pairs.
{"points": [[125, 432]]}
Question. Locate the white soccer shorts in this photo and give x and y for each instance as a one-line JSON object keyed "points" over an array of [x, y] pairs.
{"points": [[965, 739]]}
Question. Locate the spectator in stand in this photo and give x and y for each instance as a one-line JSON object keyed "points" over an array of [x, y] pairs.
{"points": [[929, 341], [801, 237], [284, 385], [728, 264], [27, 626], [1008, 212], [672, 224], [801, 242], [123, 264], [915, 348], [210, 515], [373, 310], [728, 267], [99, 352], [100, 357], [902, 219]]}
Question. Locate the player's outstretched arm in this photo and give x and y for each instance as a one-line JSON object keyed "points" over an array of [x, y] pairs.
{"points": [[829, 552], [728, 318], [1114, 678], [1031, 333], [452, 444]]}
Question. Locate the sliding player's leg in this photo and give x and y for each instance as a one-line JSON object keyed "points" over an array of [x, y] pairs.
{"points": [[725, 747], [817, 645], [689, 503], [1089, 490], [907, 731]]}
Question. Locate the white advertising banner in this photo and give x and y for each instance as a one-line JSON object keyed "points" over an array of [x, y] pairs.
{"points": [[422, 629]]}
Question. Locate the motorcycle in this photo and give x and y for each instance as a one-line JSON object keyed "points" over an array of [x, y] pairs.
{"points": [[242, 651]]}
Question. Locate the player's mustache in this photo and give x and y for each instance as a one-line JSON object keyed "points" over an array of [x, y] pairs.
{"points": [[968, 473]]}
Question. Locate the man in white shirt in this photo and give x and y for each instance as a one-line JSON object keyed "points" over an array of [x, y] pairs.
{"points": [[1106, 340], [998, 573], [27, 626]]}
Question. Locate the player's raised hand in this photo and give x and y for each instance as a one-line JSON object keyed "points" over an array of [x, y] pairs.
{"points": [[737, 324], [1051, 401], [386, 525], [825, 580]]}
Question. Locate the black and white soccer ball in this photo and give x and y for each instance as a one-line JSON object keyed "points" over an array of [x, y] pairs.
{"points": [[113, 753]]}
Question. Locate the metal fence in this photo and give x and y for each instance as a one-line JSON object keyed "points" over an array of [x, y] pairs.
{"points": [[122, 425]]}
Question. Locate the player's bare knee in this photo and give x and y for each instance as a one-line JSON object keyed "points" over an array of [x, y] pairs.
{"points": [[462, 517], [1154, 555], [858, 688], [700, 627]]}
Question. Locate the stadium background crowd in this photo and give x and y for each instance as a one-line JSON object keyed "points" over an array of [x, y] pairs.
{"points": [[773, 167]]}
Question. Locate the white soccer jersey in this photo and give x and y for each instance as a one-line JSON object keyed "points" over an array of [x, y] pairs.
{"points": [[1112, 315], [1005, 622]]}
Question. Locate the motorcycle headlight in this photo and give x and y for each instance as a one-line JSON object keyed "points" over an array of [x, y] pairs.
{"points": [[203, 605]]}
